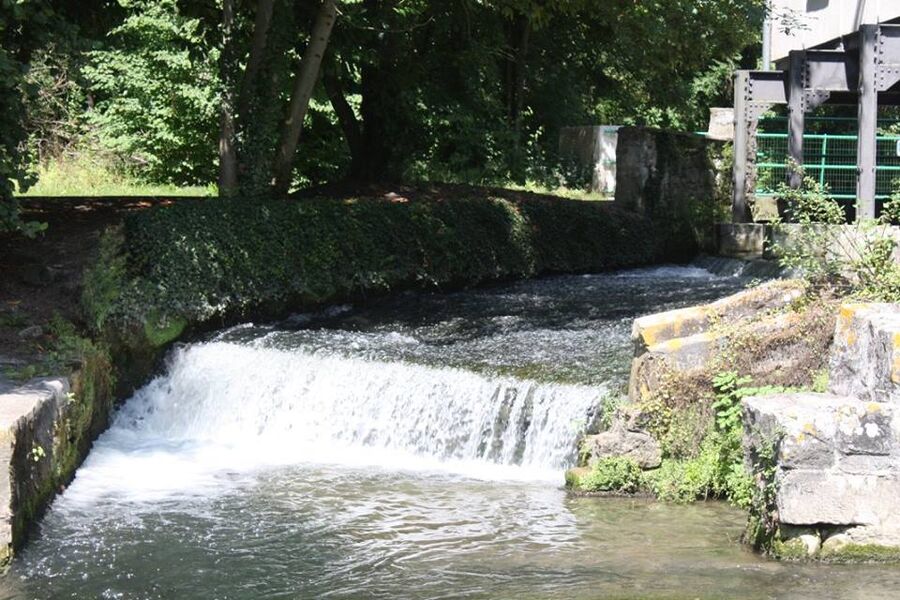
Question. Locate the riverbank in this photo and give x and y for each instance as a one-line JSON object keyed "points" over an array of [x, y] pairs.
{"points": [[102, 295]]}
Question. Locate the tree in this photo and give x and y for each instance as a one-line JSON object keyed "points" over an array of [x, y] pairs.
{"points": [[305, 80]]}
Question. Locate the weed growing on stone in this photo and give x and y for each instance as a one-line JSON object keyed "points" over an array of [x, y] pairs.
{"points": [[814, 240], [718, 469]]}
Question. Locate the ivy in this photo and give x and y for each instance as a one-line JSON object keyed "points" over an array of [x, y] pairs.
{"points": [[228, 258]]}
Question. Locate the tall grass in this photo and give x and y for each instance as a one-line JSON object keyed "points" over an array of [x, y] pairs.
{"points": [[89, 174]]}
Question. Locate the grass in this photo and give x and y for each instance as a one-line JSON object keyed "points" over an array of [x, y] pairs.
{"points": [[85, 174], [564, 192]]}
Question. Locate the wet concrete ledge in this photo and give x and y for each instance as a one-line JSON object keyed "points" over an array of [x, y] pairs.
{"points": [[36, 455]]}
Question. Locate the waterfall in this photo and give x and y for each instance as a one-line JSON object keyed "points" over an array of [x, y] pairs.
{"points": [[228, 407]]}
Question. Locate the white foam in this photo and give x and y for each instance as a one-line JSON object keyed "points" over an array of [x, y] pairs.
{"points": [[224, 410]]}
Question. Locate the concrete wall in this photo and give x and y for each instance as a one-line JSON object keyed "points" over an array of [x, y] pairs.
{"points": [[826, 20], [592, 149], [662, 173]]}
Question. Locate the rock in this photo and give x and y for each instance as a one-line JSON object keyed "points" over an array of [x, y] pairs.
{"points": [[30, 333], [636, 445], [684, 322], [865, 359], [818, 431], [689, 341], [812, 543], [834, 543]]}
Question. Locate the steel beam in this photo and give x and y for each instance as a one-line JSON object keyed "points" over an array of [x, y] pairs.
{"points": [[831, 70], [796, 115], [868, 121]]}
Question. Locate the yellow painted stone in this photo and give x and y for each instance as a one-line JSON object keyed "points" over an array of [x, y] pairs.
{"points": [[845, 321]]}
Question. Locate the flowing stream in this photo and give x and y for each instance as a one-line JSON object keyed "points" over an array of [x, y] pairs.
{"points": [[413, 448]]}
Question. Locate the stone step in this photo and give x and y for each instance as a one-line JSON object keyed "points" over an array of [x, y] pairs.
{"points": [[662, 327], [836, 458]]}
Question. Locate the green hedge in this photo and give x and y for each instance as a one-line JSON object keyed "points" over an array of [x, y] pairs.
{"points": [[217, 260]]}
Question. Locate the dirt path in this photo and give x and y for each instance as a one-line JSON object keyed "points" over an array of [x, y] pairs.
{"points": [[41, 277]]}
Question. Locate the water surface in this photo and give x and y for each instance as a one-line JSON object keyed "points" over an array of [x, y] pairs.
{"points": [[411, 449]]}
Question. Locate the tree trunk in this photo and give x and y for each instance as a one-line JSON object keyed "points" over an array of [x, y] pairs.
{"points": [[521, 31], [227, 154], [331, 78], [376, 154], [305, 81], [257, 52]]}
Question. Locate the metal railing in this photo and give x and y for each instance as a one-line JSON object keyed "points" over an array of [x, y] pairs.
{"points": [[830, 159]]}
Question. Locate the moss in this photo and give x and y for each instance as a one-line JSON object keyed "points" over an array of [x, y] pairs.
{"points": [[793, 549], [160, 331], [863, 553]]}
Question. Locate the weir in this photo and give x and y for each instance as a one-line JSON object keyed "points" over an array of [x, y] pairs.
{"points": [[297, 406]]}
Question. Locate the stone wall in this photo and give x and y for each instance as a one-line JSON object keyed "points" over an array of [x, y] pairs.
{"points": [[661, 172], [690, 341], [831, 461], [47, 427], [591, 151], [34, 454]]}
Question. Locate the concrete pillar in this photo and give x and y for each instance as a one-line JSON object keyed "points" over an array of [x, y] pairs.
{"points": [[868, 122], [796, 114], [740, 206]]}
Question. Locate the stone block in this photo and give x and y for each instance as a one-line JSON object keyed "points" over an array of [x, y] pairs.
{"points": [[865, 359], [30, 417], [639, 446], [818, 431], [740, 240], [809, 497]]}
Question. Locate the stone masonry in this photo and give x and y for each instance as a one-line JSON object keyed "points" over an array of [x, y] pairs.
{"points": [[31, 453], [836, 471]]}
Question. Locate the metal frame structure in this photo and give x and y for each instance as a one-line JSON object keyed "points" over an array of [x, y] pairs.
{"points": [[861, 69]]}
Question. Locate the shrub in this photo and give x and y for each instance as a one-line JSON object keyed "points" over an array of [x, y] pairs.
{"points": [[197, 260], [613, 474], [858, 257]]}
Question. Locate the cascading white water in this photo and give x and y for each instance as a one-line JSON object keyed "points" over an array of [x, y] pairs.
{"points": [[229, 407]]}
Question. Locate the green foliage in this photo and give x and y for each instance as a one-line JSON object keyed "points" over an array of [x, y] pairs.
{"points": [[718, 470], [102, 280], [613, 474], [24, 26], [85, 171], [156, 94], [817, 242], [194, 260]]}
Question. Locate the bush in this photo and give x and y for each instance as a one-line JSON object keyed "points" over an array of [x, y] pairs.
{"points": [[717, 471], [229, 258], [859, 258], [613, 474]]}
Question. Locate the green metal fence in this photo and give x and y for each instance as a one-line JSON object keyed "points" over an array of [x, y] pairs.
{"points": [[828, 158]]}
